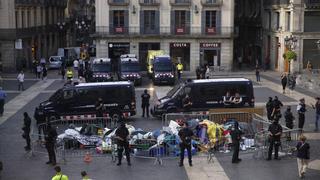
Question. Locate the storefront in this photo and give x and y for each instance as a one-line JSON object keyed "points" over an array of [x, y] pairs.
{"points": [[115, 50], [143, 52], [181, 52], [210, 54]]}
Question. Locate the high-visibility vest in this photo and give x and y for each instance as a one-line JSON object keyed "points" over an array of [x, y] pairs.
{"points": [[180, 67], [69, 74]]}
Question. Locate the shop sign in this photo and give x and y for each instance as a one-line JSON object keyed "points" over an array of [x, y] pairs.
{"points": [[119, 45], [179, 45], [210, 45]]}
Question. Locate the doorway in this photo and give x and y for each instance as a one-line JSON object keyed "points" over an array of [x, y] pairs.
{"points": [[143, 52]]}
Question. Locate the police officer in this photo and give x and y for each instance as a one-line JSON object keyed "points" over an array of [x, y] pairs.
{"points": [[26, 130], [301, 108], [269, 107], [187, 103], [145, 103], [275, 131], [179, 69], [185, 135], [122, 134], [50, 137], [236, 137], [289, 121], [276, 112], [69, 74], [59, 175]]}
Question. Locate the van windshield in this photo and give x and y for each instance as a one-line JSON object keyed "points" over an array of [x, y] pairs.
{"points": [[101, 67], [162, 67], [174, 90], [56, 96], [130, 67]]}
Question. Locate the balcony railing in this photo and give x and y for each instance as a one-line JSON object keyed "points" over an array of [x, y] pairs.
{"points": [[106, 31], [312, 4], [149, 2], [211, 2], [180, 2], [26, 32], [60, 3], [118, 2]]}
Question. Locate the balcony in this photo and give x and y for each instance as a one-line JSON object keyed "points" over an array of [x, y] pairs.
{"points": [[60, 3], [118, 2], [180, 2], [164, 32], [211, 2], [149, 2], [312, 4]]}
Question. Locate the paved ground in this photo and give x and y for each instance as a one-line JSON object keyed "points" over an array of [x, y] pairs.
{"points": [[18, 166]]}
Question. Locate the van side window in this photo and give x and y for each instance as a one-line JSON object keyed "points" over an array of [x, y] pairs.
{"points": [[67, 94], [187, 90]]}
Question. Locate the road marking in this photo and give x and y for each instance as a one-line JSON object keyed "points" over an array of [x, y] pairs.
{"points": [[14, 105]]}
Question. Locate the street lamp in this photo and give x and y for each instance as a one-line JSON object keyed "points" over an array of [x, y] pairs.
{"points": [[290, 43], [61, 27]]}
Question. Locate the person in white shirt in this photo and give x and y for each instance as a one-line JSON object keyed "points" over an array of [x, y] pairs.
{"points": [[43, 61], [75, 65], [20, 81]]}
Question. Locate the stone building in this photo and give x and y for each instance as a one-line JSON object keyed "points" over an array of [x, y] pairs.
{"points": [[29, 30], [197, 32], [296, 18]]}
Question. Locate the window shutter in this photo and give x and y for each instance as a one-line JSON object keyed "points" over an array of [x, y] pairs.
{"points": [[173, 22], [203, 22], [126, 21], [188, 23], [218, 21], [111, 28], [157, 22], [141, 22]]}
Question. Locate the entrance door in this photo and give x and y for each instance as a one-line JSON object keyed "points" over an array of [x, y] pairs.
{"points": [[115, 51], [181, 51], [143, 52]]}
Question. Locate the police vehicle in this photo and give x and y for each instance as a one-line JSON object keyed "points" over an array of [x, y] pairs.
{"points": [[78, 101], [100, 70], [129, 69], [163, 71], [205, 94]]}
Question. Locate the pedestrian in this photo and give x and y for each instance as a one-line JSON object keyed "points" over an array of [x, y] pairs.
{"points": [[301, 108], [187, 103], [42, 61], [99, 108], [39, 70], [63, 72], [257, 73], [179, 69], [276, 112], [40, 121], [145, 97], [84, 175], [303, 156], [75, 65], [26, 130], [69, 74], [59, 175], [198, 72], [185, 135], [207, 74], [269, 107], [284, 81], [20, 80], [288, 116], [240, 62], [292, 81], [50, 138], [122, 135], [236, 137], [34, 66], [3, 96], [44, 73], [316, 107], [275, 131]]}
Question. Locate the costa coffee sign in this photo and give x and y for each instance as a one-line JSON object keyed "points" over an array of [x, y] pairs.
{"points": [[210, 45], [179, 45]]}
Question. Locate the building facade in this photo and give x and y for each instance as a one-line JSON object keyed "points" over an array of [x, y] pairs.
{"points": [[29, 30], [195, 32], [292, 18]]}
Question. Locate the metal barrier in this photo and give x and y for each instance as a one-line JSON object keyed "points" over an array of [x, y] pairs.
{"points": [[166, 118]]}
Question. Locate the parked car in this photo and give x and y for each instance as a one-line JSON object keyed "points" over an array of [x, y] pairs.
{"points": [[55, 62]]}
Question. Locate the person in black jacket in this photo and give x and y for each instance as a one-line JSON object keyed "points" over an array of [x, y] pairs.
{"points": [[26, 130], [289, 121], [301, 108], [276, 112], [269, 107], [145, 97], [275, 131], [284, 81], [122, 135], [236, 137], [50, 137], [185, 135], [303, 156]]}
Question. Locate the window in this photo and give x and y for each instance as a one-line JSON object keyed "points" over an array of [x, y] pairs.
{"points": [[149, 20], [22, 19], [288, 18], [68, 94], [180, 18], [118, 18], [210, 19], [277, 19], [35, 17]]}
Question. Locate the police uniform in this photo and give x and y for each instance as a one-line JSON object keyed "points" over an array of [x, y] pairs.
{"points": [[236, 137], [60, 176], [274, 140], [50, 141], [179, 69], [185, 135], [145, 103], [122, 133], [301, 108], [69, 74]]}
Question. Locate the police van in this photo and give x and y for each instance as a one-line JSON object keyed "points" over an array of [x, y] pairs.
{"points": [[129, 69], [163, 71], [78, 101], [205, 94], [100, 70]]}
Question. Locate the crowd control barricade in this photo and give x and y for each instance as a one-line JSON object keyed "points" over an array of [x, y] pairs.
{"points": [[186, 116]]}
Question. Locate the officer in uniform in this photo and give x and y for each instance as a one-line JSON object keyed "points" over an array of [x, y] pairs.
{"points": [[51, 136], [122, 134], [69, 74], [301, 108], [269, 107], [236, 137], [275, 131], [179, 69], [185, 135], [145, 103], [277, 104]]}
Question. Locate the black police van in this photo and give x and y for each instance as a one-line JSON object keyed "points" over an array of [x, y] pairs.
{"points": [[100, 70], [163, 70], [205, 94], [79, 100], [129, 69]]}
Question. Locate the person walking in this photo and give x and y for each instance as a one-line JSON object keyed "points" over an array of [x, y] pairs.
{"points": [[26, 130], [50, 138], [185, 135], [122, 134], [75, 65], [42, 61], [236, 137], [20, 79], [59, 175], [145, 97], [303, 156], [39, 70], [316, 107], [257, 73], [275, 131], [179, 69], [301, 108], [63, 72], [269, 107], [69, 74], [44, 73], [284, 81], [3, 96]]}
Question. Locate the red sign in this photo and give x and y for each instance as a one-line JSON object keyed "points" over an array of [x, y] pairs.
{"points": [[210, 45], [179, 45], [211, 30], [119, 29], [180, 30]]}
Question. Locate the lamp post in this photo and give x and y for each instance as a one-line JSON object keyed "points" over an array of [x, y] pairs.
{"points": [[290, 43], [61, 27]]}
